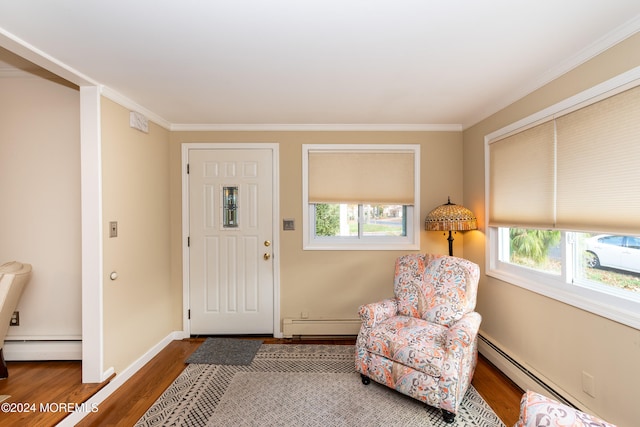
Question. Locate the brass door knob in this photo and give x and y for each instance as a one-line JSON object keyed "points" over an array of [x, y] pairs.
{"points": [[267, 243], [267, 256]]}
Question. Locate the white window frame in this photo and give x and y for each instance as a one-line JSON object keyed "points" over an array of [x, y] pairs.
{"points": [[409, 242], [595, 299]]}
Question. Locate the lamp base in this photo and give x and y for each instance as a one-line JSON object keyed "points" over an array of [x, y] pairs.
{"points": [[450, 239]]}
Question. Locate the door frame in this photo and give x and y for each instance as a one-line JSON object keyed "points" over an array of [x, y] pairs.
{"points": [[275, 151]]}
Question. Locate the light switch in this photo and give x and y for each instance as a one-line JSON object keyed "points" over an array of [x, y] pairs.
{"points": [[288, 224]]}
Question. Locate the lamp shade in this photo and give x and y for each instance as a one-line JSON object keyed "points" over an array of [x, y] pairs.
{"points": [[450, 217]]}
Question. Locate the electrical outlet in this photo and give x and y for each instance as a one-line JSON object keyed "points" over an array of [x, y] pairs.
{"points": [[15, 319], [113, 229], [588, 384]]}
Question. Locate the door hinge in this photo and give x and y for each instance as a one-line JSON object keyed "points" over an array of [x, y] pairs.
{"points": [[187, 168], [188, 242], [189, 314]]}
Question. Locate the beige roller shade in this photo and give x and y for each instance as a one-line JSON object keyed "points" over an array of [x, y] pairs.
{"points": [[521, 178], [384, 177]]}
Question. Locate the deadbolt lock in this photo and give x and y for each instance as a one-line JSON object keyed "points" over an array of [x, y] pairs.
{"points": [[267, 243]]}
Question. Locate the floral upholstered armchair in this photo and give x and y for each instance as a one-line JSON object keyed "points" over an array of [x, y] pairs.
{"points": [[423, 342]]}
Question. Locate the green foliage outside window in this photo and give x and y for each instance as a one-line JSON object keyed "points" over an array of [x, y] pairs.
{"points": [[533, 244], [327, 219]]}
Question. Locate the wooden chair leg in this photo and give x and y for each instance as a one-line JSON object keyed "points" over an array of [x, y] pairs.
{"points": [[4, 372]]}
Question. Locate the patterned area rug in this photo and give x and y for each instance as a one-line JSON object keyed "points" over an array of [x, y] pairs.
{"points": [[298, 385]]}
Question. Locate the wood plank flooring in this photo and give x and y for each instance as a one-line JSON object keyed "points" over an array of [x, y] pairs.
{"points": [[60, 382]]}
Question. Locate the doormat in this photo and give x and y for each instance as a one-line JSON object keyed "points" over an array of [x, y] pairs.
{"points": [[225, 351]]}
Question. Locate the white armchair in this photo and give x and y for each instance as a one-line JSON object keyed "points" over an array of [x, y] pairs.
{"points": [[13, 278]]}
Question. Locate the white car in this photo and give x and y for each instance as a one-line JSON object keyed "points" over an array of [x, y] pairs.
{"points": [[621, 252]]}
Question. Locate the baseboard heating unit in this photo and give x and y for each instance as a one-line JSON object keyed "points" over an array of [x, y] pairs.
{"points": [[321, 327], [518, 373], [42, 350]]}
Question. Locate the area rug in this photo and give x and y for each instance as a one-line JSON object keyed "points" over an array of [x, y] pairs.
{"points": [[225, 351], [298, 385]]}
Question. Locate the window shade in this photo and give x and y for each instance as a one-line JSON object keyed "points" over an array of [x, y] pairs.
{"points": [[599, 166], [384, 177], [521, 178]]}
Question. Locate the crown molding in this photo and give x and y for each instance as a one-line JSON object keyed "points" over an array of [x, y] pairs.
{"points": [[318, 127], [609, 40]]}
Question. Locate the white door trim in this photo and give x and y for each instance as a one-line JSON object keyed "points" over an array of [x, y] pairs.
{"points": [[275, 148]]}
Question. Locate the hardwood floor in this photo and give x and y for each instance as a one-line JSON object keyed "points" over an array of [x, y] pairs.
{"points": [[37, 390], [49, 384]]}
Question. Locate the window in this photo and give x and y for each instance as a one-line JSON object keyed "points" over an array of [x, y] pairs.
{"points": [[563, 204], [360, 197]]}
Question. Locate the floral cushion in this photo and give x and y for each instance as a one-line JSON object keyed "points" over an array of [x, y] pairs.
{"points": [[435, 288], [410, 341], [537, 410]]}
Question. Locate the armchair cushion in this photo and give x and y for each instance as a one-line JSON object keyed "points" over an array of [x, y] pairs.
{"points": [[434, 287], [537, 410], [413, 342]]}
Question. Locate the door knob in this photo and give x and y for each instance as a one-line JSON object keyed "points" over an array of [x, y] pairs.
{"points": [[267, 243], [267, 256]]}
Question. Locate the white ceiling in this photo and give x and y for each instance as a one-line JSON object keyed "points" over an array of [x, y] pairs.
{"points": [[316, 62]]}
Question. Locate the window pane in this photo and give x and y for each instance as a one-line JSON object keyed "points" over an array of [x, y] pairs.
{"points": [[333, 219], [608, 260], [535, 249], [342, 220], [383, 220]]}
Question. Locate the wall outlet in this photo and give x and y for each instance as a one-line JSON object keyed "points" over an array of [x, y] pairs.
{"points": [[15, 319], [588, 384], [113, 229]]}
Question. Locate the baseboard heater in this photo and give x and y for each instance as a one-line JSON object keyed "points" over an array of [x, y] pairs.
{"points": [[518, 373], [320, 327], [42, 350]]}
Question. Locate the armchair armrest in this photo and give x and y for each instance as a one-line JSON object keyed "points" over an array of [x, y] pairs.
{"points": [[373, 313], [463, 333]]}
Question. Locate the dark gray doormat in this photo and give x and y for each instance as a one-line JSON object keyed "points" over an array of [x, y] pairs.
{"points": [[225, 351]]}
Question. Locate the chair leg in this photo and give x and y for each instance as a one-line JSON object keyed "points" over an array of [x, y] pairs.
{"points": [[365, 379], [4, 372], [448, 417]]}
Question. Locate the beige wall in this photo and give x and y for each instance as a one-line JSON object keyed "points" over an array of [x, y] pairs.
{"points": [[331, 284], [138, 305], [557, 340], [40, 208]]}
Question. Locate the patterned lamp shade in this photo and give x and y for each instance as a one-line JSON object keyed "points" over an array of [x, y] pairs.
{"points": [[450, 217]]}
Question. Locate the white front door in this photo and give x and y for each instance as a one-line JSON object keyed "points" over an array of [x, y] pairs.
{"points": [[231, 274]]}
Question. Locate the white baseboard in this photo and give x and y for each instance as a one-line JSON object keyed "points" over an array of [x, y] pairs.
{"points": [[92, 404], [325, 327], [42, 350]]}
